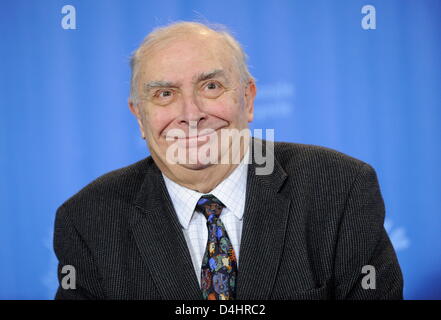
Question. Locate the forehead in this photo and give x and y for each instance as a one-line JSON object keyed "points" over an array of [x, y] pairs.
{"points": [[186, 56]]}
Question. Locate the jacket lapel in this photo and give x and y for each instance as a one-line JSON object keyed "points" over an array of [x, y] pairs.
{"points": [[263, 233], [159, 237]]}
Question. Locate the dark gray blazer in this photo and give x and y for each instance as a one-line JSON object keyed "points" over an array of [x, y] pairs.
{"points": [[309, 228]]}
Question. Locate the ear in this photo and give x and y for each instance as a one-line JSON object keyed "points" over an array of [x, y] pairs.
{"points": [[134, 109], [250, 94]]}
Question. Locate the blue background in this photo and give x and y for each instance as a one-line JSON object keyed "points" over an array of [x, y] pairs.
{"points": [[322, 79]]}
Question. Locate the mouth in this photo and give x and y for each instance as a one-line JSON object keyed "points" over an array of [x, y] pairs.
{"points": [[195, 140], [199, 137]]}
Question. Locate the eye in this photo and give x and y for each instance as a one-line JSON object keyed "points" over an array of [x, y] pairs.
{"points": [[212, 89], [164, 93], [163, 96], [212, 85]]}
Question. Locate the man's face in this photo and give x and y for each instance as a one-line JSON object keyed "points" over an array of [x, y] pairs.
{"points": [[190, 83]]}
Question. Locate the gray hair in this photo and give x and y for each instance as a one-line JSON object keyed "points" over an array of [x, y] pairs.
{"points": [[172, 30]]}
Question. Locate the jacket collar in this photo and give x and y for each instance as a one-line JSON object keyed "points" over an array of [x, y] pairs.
{"points": [[263, 232], [158, 234]]}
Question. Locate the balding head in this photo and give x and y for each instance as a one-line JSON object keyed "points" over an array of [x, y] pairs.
{"points": [[160, 37]]}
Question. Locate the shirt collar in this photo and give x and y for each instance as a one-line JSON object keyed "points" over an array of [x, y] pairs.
{"points": [[231, 192]]}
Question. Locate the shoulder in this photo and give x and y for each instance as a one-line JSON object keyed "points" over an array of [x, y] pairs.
{"points": [[113, 191], [319, 164], [316, 155]]}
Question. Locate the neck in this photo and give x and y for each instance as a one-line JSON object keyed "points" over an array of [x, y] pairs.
{"points": [[201, 180], [204, 180]]}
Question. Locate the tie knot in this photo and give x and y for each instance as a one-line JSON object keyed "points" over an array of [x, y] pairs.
{"points": [[210, 206]]}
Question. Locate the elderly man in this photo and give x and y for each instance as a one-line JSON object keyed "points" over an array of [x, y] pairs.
{"points": [[189, 222]]}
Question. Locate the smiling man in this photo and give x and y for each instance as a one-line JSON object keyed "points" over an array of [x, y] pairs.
{"points": [[196, 220], [187, 77]]}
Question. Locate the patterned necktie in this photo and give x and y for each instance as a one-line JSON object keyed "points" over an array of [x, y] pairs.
{"points": [[219, 265]]}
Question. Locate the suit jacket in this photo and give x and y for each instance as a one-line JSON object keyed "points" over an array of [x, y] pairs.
{"points": [[308, 230]]}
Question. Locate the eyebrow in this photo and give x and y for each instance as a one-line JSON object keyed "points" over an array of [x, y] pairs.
{"points": [[160, 84], [210, 75], [201, 77]]}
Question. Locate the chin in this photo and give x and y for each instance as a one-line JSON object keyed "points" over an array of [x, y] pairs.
{"points": [[196, 166]]}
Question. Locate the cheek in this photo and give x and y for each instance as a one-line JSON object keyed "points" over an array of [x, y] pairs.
{"points": [[158, 120], [229, 108]]}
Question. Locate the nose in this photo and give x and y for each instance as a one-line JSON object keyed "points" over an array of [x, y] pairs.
{"points": [[191, 111]]}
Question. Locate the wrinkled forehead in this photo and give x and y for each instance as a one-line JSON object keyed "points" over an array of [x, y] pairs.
{"points": [[191, 48]]}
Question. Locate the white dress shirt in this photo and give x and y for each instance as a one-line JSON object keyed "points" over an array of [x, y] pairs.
{"points": [[231, 192]]}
